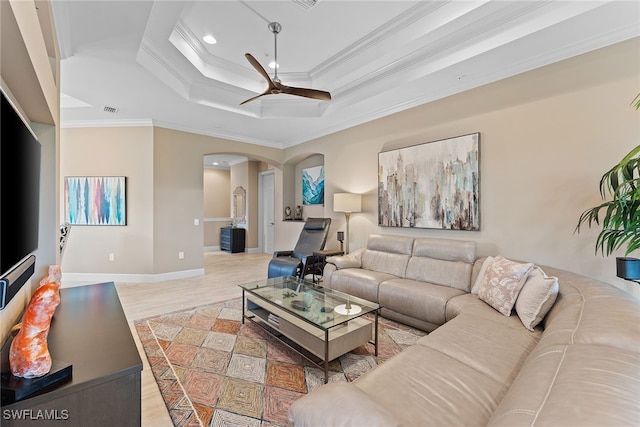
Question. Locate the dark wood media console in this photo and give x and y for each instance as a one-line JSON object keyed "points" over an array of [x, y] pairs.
{"points": [[89, 331]]}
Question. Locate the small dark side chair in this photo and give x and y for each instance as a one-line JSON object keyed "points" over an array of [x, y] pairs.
{"points": [[300, 260]]}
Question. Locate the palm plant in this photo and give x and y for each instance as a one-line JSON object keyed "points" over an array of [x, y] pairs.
{"points": [[621, 222]]}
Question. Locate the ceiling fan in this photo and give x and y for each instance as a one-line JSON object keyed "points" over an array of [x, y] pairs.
{"points": [[275, 86]]}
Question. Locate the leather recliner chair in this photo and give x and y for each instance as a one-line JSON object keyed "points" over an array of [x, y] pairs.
{"points": [[299, 261]]}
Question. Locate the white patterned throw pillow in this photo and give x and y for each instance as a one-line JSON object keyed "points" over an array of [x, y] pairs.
{"points": [[502, 282], [481, 273]]}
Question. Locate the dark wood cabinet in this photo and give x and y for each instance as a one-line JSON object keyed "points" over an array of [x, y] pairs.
{"points": [[232, 239], [90, 331]]}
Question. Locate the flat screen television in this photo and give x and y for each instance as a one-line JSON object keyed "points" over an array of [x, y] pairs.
{"points": [[20, 154]]}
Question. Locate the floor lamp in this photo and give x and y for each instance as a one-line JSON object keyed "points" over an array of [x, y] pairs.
{"points": [[347, 203]]}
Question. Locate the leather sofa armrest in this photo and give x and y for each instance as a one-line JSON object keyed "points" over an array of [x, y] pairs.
{"points": [[352, 260], [282, 253], [339, 405]]}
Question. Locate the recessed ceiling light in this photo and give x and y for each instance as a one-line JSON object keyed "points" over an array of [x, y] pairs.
{"points": [[215, 163], [209, 39], [272, 65]]}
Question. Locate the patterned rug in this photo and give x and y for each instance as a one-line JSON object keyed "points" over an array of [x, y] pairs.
{"points": [[214, 371]]}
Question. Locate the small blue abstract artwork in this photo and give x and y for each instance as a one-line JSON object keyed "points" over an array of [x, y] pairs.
{"points": [[95, 200], [313, 186]]}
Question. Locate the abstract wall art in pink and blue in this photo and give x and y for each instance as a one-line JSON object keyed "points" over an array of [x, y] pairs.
{"points": [[95, 200]]}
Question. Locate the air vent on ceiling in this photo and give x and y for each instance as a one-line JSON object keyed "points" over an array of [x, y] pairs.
{"points": [[306, 4], [112, 110]]}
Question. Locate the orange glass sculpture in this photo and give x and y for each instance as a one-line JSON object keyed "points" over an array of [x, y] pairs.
{"points": [[29, 354]]}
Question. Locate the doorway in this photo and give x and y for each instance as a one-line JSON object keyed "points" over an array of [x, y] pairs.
{"points": [[267, 213]]}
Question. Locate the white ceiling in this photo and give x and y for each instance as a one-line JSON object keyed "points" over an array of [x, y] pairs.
{"points": [[147, 58]]}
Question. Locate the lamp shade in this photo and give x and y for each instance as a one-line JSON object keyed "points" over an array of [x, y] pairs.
{"points": [[347, 202]]}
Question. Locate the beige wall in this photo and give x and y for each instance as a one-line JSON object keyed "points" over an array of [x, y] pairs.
{"points": [[217, 186], [547, 137], [217, 205], [118, 151], [245, 175], [164, 196]]}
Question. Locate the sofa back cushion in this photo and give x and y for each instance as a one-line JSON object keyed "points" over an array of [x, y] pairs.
{"points": [[387, 254], [443, 262]]}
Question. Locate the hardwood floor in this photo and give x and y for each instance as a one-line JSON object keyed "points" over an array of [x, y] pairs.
{"points": [[223, 273]]}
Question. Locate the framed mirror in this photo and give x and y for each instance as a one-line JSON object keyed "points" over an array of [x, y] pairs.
{"points": [[239, 205]]}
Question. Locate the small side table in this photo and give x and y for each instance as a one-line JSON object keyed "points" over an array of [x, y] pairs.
{"points": [[321, 259]]}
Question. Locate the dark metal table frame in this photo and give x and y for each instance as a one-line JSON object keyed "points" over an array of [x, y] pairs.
{"points": [[325, 361]]}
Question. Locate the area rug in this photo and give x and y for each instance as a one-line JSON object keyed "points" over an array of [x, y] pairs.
{"points": [[212, 370]]}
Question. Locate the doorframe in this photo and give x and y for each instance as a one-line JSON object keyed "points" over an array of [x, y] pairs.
{"points": [[261, 177]]}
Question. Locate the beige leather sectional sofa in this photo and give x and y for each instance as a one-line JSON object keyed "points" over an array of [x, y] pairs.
{"points": [[580, 366]]}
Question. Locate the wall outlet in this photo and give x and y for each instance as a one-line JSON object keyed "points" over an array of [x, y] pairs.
{"points": [[112, 257], [196, 221], [180, 255]]}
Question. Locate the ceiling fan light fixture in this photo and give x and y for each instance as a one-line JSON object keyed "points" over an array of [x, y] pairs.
{"points": [[273, 65], [209, 39], [274, 85]]}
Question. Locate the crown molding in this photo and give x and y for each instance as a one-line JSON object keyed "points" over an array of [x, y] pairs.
{"points": [[106, 123], [374, 38]]}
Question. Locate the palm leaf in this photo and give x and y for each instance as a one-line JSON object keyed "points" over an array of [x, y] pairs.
{"points": [[621, 215]]}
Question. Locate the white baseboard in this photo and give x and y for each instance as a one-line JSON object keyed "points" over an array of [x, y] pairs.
{"points": [[136, 278]]}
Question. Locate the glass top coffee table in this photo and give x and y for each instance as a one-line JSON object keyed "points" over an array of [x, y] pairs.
{"points": [[325, 322]]}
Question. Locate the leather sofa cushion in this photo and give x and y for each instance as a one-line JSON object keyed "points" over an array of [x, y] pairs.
{"points": [[468, 303], [574, 385], [590, 312], [359, 282], [442, 262], [445, 249], [446, 273], [422, 386], [420, 300], [387, 254], [485, 343], [349, 405]]}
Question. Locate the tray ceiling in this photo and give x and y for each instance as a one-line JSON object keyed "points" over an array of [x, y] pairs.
{"points": [[147, 59]]}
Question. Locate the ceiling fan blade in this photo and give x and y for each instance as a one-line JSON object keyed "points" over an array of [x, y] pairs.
{"points": [[253, 61], [254, 97], [307, 93], [273, 86]]}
